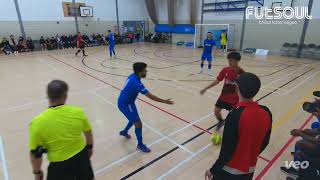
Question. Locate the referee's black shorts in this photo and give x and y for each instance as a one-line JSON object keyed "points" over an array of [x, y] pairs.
{"points": [[76, 168]]}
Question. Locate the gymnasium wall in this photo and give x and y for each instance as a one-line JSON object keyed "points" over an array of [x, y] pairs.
{"points": [[41, 17], [267, 36], [270, 36]]}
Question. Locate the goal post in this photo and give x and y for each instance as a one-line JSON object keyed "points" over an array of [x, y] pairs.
{"points": [[201, 31]]}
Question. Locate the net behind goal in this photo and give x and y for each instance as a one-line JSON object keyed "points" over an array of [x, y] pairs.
{"points": [[218, 31]]}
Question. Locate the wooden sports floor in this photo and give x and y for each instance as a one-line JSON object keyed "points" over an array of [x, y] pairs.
{"points": [[178, 135]]}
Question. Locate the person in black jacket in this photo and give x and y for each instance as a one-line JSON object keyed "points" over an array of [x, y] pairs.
{"points": [[246, 134]]}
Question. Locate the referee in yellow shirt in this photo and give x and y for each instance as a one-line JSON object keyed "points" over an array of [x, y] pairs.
{"points": [[58, 132]]}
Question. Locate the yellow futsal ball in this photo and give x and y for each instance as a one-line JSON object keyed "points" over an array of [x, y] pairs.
{"points": [[216, 139]]}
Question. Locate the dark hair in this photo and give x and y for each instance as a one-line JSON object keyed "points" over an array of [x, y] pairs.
{"points": [[139, 67], [234, 55], [109, 30], [249, 85], [57, 89], [210, 32]]}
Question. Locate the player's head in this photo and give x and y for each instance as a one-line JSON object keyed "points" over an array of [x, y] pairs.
{"points": [[57, 91], [248, 85], [233, 59], [109, 31], [140, 69], [209, 35]]}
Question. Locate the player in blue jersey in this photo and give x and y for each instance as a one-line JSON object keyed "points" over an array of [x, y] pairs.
{"points": [[112, 43], [208, 45], [126, 102]]}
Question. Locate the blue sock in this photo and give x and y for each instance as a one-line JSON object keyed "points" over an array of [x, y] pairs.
{"points": [[110, 53], [138, 132], [129, 125], [202, 65], [114, 53], [209, 66]]}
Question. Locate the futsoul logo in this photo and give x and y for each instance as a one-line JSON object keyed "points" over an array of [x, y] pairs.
{"points": [[287, 13]]}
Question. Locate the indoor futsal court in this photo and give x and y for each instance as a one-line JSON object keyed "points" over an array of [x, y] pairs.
{"points": [[171, 37]]}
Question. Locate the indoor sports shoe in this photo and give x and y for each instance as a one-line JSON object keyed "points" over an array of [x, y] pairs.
{"points": [[316, 93], [143, 148], [292, 172], [210, 72], [126, 135], [219, 125], [201, 71]]}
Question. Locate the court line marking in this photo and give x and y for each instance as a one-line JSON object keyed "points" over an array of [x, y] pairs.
{"points": [[172, 150], [146, 102], [302, 82], [105, 168], [48, 64], [3, 160], [284, 77], [183, 162], [175, 85], [282, 150], [17, 107], [188, 90], [293, 110], [145, 124]]}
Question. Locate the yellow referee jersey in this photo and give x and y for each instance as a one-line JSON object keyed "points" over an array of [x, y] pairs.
{"points": [[59, 130]]}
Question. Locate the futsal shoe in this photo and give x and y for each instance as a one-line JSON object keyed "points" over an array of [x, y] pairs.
{"points": [[201, 71], [316, 93], [143, 148], [210, 72], [292, 172], [124, 134]]}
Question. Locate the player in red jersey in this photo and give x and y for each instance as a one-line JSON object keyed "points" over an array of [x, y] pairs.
{"points": [[80, 45], [228, 98]]}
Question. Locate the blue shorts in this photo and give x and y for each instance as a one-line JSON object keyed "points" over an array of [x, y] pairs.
{"points": [[130, 112], [111, 47], [206, 56]]}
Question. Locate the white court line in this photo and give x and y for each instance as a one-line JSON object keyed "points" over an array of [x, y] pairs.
{"points": [[45, 100], [188, 90], [3, 161], [183, 162], [107, 167], [167, 138], [314, 74], [48, 64], [148, 126], [277, 80], [174, 85]]}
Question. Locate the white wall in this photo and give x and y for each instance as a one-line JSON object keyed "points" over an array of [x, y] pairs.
{"points": [[8, 11], [132, 10], [162, 11], [40, 16], [42, 10]]}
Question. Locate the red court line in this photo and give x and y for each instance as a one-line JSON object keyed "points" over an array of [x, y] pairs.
{"points": [[277, 156], [263, 158], [169, 113]]}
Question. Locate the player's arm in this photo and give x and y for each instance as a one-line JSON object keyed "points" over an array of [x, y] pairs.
{"points": [[87, 131], [309, 136], [35, 153], [157, 99], [36, 163], [216, 82]]}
